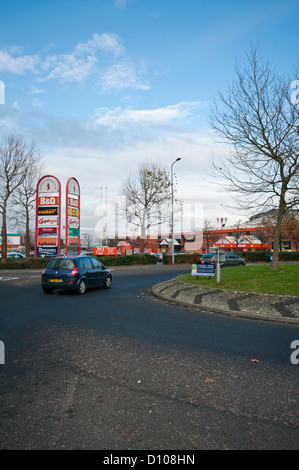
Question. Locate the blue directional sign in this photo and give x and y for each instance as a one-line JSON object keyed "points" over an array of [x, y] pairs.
{"points": [[204, 270]]}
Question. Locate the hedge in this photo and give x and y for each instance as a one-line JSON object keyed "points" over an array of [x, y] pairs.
{"points": [[257, 256], [249, 256], [182, 259], [26, 263], [127, 260], [41, 263], [131, 260]]}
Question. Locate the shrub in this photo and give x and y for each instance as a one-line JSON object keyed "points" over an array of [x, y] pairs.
{"points": [[127, 260], [258, 256], [182, 259], [26, 263], [249, 256]]}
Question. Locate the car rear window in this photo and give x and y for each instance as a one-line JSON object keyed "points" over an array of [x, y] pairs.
{"points": [[61, 264]]}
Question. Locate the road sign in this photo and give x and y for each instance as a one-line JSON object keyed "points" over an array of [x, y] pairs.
{"points": [[203, 270]]}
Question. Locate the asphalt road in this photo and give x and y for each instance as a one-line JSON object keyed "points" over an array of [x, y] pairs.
{"points": [[119, 369]]}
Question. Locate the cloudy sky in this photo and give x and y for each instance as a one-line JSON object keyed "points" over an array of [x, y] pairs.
{"points": [[102, 85]]}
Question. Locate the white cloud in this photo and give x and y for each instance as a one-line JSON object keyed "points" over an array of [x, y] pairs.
{"points": [[119, 117], [124, 74], [68, 67], [18, 65], [83, 60], [107, 42], [101, 58], [35, 91]]}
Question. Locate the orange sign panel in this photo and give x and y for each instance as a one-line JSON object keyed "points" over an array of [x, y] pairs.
{"points": [[105, 250], [48, 201], [47, 241]]}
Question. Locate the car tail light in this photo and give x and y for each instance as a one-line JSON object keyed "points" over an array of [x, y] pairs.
{"points": [[74, 272], [212, 260], [44, 270]]}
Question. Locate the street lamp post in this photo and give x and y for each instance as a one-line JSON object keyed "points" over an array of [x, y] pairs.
{"points": [[172, 233]]}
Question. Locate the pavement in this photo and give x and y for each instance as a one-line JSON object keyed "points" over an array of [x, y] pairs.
{"points": [[281, 308]]}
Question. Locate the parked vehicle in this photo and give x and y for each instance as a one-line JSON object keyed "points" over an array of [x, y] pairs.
{"points": [[231, 259], [78, 273], [14, 255], [159, 256]]}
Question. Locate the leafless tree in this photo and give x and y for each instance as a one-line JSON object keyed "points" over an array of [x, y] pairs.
{"points": [[24, 197], [238, 229], [16, 163], [147, 198], [207, 235], [260, 120]]}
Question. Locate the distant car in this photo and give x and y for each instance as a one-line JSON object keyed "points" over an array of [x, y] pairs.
{"points": [[159, 256], [78, 274], [231, 259], [15, 255]]}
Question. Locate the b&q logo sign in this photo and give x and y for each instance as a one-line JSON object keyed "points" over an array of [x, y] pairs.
{"points": [[48, 201]]}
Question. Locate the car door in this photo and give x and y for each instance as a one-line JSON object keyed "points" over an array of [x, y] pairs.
{"points": [[99, 272], [89, 271], [233, 259], [229, 259]]}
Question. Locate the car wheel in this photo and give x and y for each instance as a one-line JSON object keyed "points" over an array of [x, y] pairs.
{"points": [[108, 282], [47, 291], [81, 287]]}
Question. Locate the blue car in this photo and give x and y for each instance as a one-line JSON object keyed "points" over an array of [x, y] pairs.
{"points": [[78, 273]]}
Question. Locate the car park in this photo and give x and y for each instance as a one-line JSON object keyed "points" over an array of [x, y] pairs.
{"points": [[77, 273], [231, 259]]}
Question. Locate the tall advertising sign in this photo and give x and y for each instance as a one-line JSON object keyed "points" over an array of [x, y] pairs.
{"points": [[72, 216], [48, 216]]}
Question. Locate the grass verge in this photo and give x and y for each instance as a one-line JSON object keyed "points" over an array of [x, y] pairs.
{"points": [[257, 279]]}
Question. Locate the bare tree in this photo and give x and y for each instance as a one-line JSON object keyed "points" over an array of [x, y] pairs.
{"points": [[24, 196], [207, 235], [260, 120], [147, 198], [238, 229], [15, 163]]}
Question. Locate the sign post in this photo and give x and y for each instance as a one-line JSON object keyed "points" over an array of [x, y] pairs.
{"points": [[48, 216], [72, 216], [220, 259]]}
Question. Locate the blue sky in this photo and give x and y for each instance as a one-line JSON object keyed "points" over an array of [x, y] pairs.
{"points": [[101, 85]]}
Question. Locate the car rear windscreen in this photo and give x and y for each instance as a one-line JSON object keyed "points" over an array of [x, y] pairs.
{"points": [[61, 264]]}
